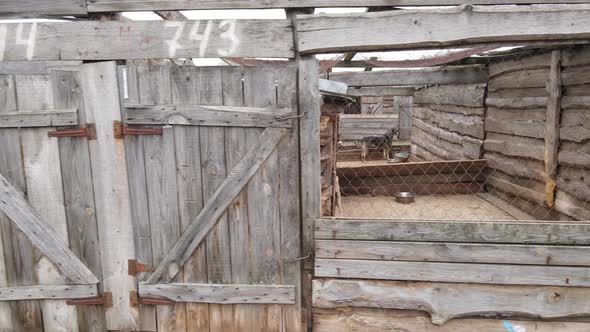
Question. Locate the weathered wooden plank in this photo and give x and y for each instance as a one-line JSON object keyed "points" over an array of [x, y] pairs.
{"points": [[42, 170], [105, 40], [552, 120], [160, 172], [115, 226], [6, 313], [78, 193], [453, 231], [54, 7], [471, 95], [135, 5], [189, 183], [539, 61], [377, 320], [499, 121], [381, 91], [50, 118], [153, 83], [471, 24], [47, 292], [427, 76], [37, 67], [230, 116], [535, 78], [447, 301], [512, 210], [451, 145], [215, 207], [452, 252], [517, 146], [332, 86], [570, 206], [454, 272], [41, 235], [221, 293], [412, 168]]}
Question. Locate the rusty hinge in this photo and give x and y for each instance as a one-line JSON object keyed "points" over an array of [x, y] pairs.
{"points": [[121, 130], [89, 132], [106, 299], [134, 267], [135, 300]]}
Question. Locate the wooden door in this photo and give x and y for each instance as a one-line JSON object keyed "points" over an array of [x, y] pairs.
{"points": [[214, 194]]}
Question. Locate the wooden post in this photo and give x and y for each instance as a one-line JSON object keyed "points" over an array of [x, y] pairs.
{"points": [[552, 127], [109, 170], [309, 156]]}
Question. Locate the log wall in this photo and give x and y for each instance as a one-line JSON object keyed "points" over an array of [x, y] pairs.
{"points": [[448, 122], [516, 133]]}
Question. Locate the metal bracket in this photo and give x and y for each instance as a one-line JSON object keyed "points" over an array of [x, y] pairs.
{"points": [[298, 258], [135, 300], [134, 267], [89, 132], [106, 299], [121, 130]]}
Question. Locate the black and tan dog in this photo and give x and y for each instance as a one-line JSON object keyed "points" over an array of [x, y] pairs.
{"points": [[382, 142]]}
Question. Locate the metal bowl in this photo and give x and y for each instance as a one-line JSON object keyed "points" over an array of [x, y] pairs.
{"points": [[405, 197]]}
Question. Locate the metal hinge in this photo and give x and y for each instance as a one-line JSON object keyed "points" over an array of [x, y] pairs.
{"points": [[135, 300], [121, 130], [106, 299], [89, 132], [134, 267]]}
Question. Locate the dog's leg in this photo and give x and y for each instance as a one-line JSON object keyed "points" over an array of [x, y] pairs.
{"points": [[364, 152]]}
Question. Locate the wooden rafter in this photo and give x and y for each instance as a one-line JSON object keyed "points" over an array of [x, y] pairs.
{"points": [[196, 232], [28, 221]]}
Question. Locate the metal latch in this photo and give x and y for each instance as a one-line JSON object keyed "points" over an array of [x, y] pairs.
{"points": [[135, 300], [89, 132], [121, 130], [106, 299]]}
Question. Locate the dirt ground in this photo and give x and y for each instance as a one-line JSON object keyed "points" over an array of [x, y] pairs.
{"points": [[452, 207]]}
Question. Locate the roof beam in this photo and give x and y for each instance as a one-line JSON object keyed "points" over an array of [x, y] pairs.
{"points": [[441, 27]]}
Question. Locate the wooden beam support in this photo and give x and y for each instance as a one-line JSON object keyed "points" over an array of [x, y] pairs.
{"points": [[215, 207], [142, 5], [220, 293], [431, 28], [381, 91], [108, 40], [538, 232], [454, 272], [427, 76], [552, 120], [49, 118], [447, 301], [28, 221], [47, 292], [200, 115]]}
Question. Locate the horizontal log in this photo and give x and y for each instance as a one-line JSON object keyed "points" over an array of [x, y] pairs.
{"points": [[470, 25], [518, 93], [453, 252], [569, 205], [538, 61], [143, 5], [426, 76], [454, 272], [526, 128], [535, 78], [519, 167], [220, 294], [517, 146], [381, 91], [575, 181], [36, 67], [447, 301], [470, 95], [512, 188], [464, 124], [49, 118], [440, 147], [576, 75], [456, 109], [577, 90], [538, 232], [351, 169], [200, 115], [576, 102], [95, 40], [378, 320], [47, 292], [517, 102], [471, 147], [422, 154], [575, 125], [573, 158], [579, 56]]}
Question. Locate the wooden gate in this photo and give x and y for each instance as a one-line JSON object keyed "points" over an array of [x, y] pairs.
{"points": [[176, 188]]}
